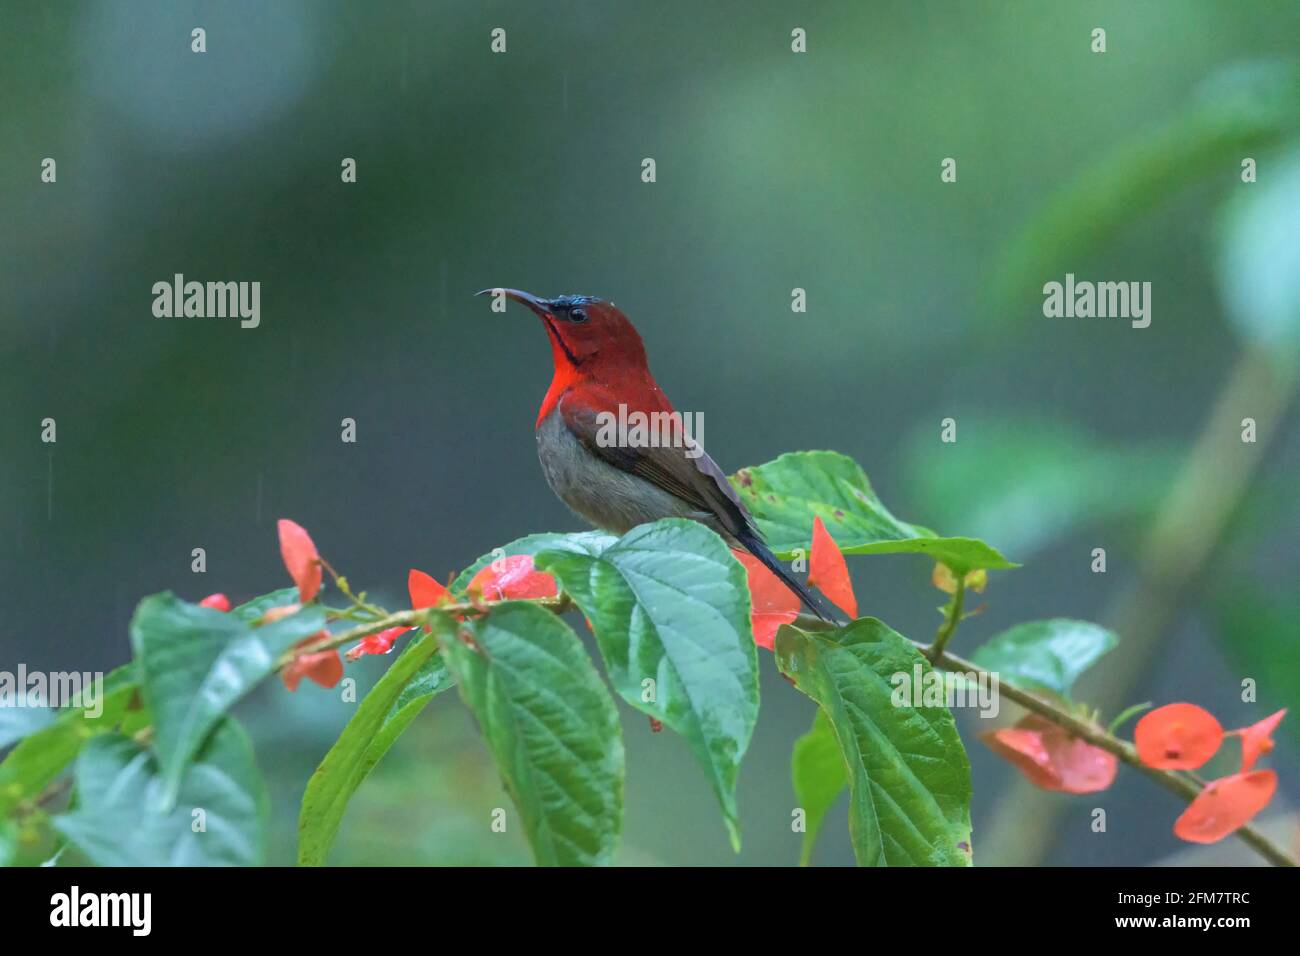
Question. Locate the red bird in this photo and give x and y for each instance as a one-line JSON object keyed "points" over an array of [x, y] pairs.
{"points": [[600, 365]]}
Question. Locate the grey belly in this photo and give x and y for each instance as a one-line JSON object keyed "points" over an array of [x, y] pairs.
{"points": [[607, 497]]}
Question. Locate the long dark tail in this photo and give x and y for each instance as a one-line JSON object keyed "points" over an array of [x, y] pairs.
{"points": [[756, 546]]}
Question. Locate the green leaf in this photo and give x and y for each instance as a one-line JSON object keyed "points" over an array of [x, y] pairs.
{"points": [[23, 713], [1047, 655], [909, 779], [668, 603], [120, 785], [17, 722], [785, 495], [253, 611], [410, 683], [583, 542], [430, 680], [550, 724], [195, 663], [40, 757], [8, 842], [818, 771]]}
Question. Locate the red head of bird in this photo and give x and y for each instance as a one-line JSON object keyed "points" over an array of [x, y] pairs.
{"points": [[593, 346]]}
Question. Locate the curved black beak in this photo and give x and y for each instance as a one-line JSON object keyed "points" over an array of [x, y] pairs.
{"points": [[541, 306]]}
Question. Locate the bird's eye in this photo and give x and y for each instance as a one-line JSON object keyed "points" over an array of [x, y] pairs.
{"points": [[577, 315]]}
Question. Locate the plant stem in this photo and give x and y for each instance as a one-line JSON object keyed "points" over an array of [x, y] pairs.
{"points": [[412, 618], [341, 583], [1182, 785], [953, 618], [1185, 787], [1215, 478]]}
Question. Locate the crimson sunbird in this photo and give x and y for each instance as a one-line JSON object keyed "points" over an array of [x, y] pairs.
{"points": [[600, 365]]}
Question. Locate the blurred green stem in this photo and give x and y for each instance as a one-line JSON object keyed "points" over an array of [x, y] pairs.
{"points": [[950, 621], [1214, 480]]}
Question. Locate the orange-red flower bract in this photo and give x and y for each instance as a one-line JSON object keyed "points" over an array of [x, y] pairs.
{"points": [[424, 590], [1257, 739], [1053, 759], [513, 578], [1177, 737], [380, 643], [828, 571], [218, 602], [323, 667], [300, 558], [771, 602], [1225, 805]]}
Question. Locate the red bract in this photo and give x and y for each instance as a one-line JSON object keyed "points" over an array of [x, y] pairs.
{"points": [[218, 602], [1257, 739], [1177, 737], [1053, 759], [425, 591], [300, 558], [323, 667], [827, 570], [771, 602], [1225, 805], [381, 643], [512, 578]]}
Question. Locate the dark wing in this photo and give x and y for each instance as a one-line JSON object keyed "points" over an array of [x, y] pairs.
{"points": [[698, 481]]}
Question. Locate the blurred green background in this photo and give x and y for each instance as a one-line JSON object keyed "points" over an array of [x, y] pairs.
{"points": [[775, 171]]}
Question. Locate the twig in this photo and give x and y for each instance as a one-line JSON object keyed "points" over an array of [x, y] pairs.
{"points": [[1215, 478], [1185, 787], [950, 622], [413, 618]]}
